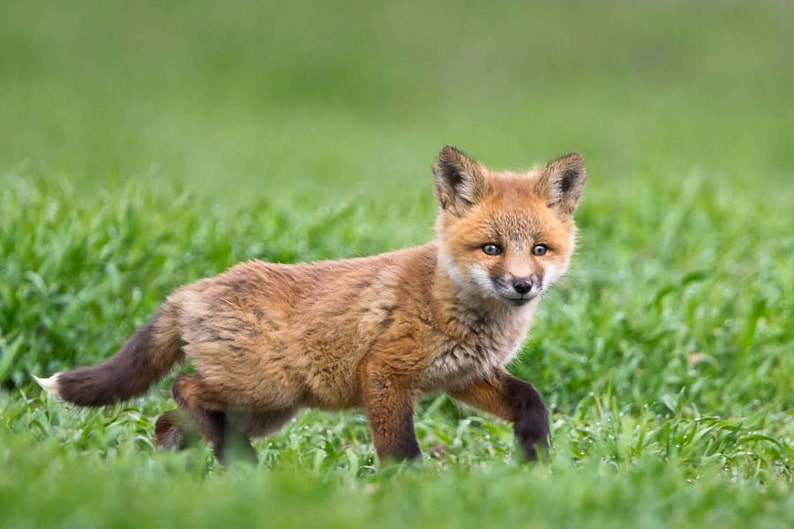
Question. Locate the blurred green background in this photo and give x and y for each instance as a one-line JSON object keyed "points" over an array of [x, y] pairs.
{"points": [[240, 98], [145, 144]]}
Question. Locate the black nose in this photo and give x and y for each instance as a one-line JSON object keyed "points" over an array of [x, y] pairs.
{"points": [[522, 286]]}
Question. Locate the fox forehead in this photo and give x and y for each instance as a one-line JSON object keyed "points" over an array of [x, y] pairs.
{"points": [[502, 225], [514, 213]]}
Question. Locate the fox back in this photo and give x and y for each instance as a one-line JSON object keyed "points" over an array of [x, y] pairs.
{"points": [[267, 340]]}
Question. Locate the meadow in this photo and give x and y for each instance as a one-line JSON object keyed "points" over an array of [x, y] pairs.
{"points": [[148, 144]]}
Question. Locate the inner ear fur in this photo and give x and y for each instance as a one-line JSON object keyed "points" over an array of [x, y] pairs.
{"points": [[561, 182], [460, 181]]}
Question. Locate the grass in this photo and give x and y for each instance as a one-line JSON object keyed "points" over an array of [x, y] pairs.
{"points": [[147, 145]]}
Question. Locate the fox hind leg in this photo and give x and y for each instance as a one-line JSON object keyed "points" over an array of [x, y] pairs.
{"points": [[209, 413], [175, 430]]}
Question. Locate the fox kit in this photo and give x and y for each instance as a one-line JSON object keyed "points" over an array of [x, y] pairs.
{"points": [[269, 339]]}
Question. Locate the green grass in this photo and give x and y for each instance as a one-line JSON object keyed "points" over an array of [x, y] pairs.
{"points": [[146, 145]]}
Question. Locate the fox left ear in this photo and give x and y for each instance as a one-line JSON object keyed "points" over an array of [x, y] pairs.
{"points": [[561, 182]]}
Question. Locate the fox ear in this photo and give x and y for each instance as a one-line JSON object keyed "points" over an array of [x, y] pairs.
{"points": [[460, 181], [561, 182]]}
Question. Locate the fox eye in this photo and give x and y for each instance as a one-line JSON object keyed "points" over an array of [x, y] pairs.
{"points": [[540, 249], [491, 249]]}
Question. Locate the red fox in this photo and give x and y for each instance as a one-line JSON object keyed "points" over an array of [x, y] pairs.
{"points": [[267, 340]]}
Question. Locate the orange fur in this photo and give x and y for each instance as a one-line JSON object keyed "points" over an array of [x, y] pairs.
{"points": [[267, 340]]}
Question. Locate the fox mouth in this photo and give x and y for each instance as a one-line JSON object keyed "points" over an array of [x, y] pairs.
{"points": [[520, 302]]}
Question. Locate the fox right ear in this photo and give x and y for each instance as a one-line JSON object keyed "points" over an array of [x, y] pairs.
{"points": [[460, 182]]}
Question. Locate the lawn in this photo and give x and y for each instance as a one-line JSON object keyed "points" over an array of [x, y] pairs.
{"points": [[148, 144]]}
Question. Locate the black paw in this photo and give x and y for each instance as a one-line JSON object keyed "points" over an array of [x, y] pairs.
{"points": [[532, 435]]}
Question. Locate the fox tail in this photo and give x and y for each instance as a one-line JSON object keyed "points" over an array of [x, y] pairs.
{"points": [[144, 359]]}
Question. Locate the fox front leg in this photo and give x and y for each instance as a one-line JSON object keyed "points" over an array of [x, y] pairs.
{"points": [[390, 409], [516, 401], [531, 418]]}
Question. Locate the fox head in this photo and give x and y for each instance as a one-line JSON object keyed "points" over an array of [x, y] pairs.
{"points": [[506, 236]]}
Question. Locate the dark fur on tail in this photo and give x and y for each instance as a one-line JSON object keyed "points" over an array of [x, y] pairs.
{"points": [[144, 359]]}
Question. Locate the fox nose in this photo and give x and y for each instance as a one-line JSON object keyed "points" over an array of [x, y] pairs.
{"points": [[522, 286]]}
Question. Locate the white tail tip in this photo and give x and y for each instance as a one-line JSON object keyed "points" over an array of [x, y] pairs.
{"points": [[50, 385]]}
